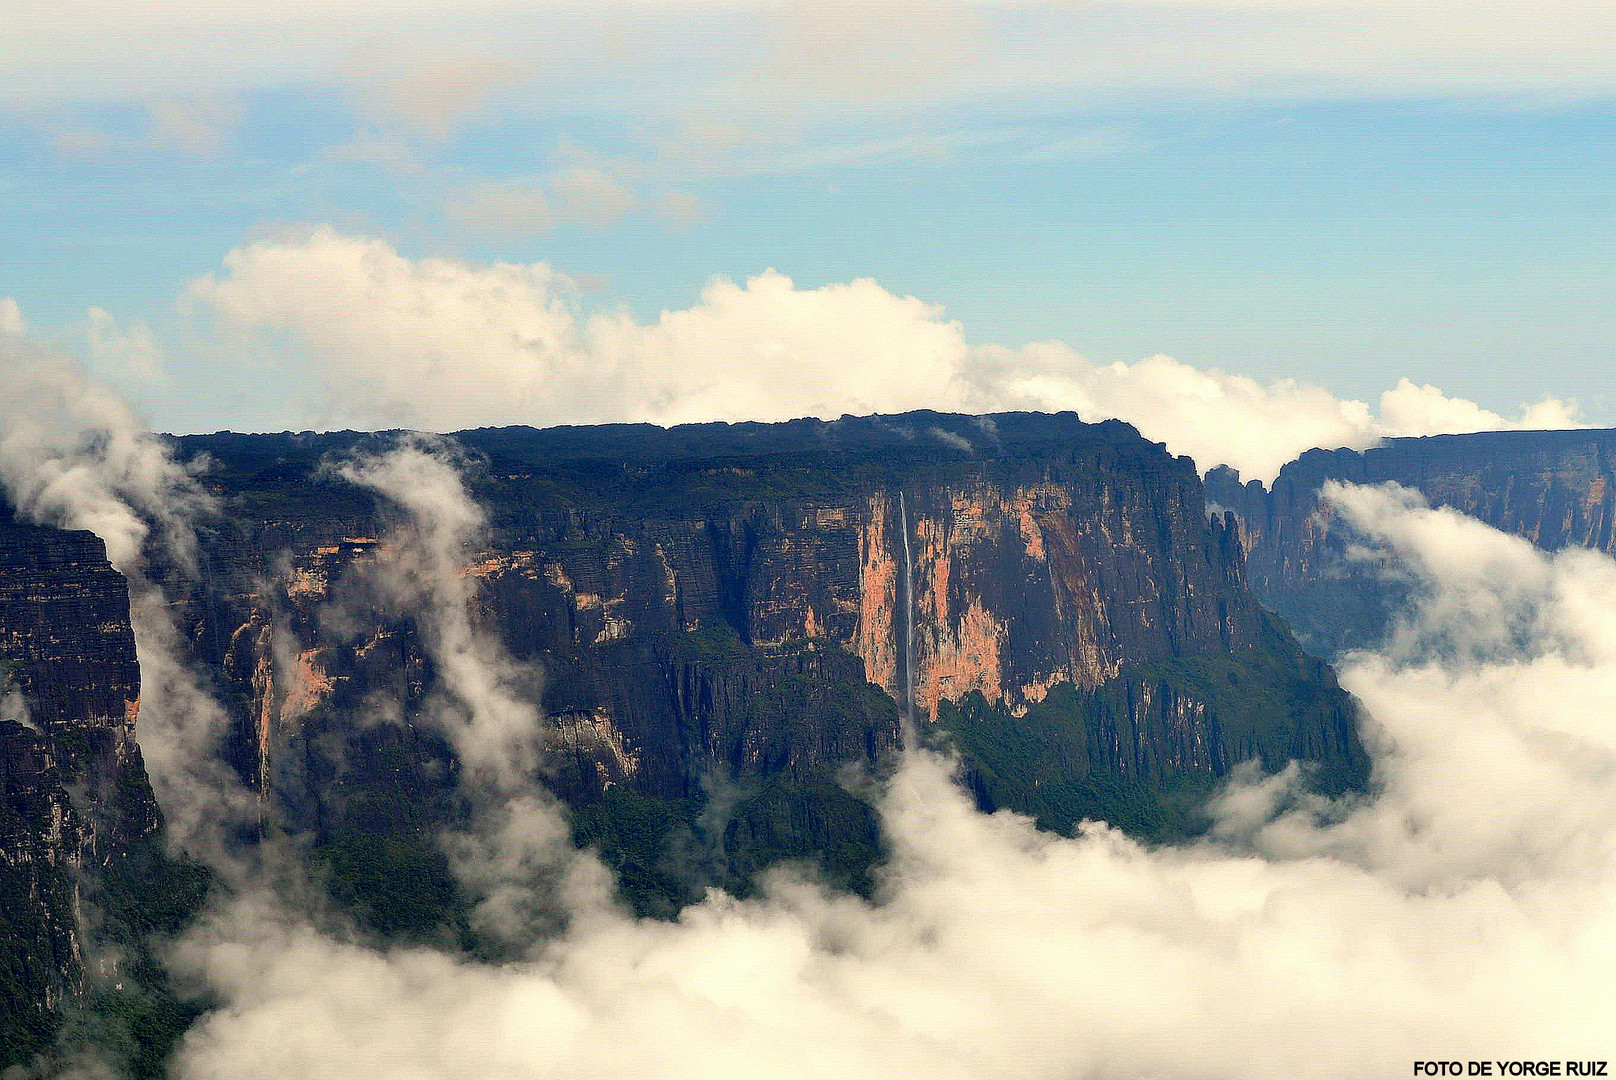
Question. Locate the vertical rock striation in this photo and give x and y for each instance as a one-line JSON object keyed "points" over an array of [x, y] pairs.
{"points": [[719, 622], [719, 611]]}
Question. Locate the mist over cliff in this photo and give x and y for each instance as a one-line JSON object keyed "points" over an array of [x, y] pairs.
{"points": [[991, 948], [277, 638]]}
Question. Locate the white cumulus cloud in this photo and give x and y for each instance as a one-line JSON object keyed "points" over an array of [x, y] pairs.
{"points": [[443, 344], [123, 347]]}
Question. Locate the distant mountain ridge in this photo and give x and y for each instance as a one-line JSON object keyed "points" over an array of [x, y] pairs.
{"points": [[1556, 489]]}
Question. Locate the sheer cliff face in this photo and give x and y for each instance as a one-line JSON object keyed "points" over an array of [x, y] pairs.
{"points": [[1053, 560], [1024, 580], [73, 792], [65, 634], [716, 621], [1553, 488]]}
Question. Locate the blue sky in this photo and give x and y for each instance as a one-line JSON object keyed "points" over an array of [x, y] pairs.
{"points": [[1343, 193]]}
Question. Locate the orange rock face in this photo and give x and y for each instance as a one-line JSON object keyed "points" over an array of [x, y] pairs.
{"points": [[975, 631], [880, 628], [310, 684]]}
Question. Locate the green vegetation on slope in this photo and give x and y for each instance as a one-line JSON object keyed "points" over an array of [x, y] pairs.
{"points": [[399, 887], [1075, 755], [1038, 764], [140, 899], [667, 852]]}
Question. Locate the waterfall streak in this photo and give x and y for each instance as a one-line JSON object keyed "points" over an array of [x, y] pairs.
{"points": [[908, 628]]}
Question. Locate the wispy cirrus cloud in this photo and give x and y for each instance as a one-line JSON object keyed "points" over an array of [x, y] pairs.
{"points": [[410, 91], [201, 125], [762, 55]]}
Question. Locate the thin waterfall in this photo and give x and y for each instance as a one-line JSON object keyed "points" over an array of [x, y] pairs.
{"points": [[908, 627]]}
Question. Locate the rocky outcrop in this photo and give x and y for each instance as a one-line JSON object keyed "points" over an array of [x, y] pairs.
{"points": [[1050, 560], [73, 790]]}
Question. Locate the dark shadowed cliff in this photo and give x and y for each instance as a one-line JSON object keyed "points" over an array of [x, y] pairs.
{"points": [[722, 623], [719, 615], [84, 879]]}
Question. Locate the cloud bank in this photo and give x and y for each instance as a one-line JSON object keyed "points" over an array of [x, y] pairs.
{"points": [[442, 344], [74, 455], [1466, 911]]}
